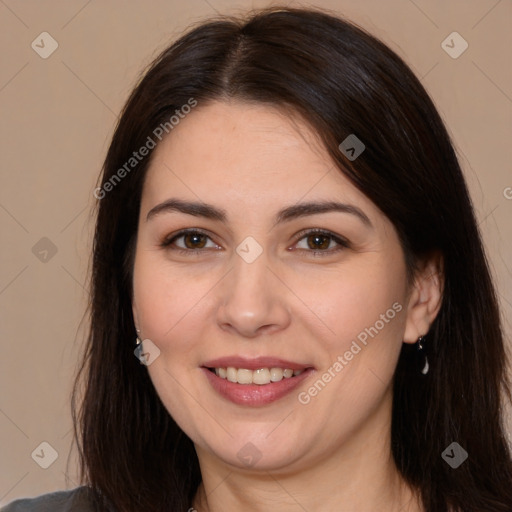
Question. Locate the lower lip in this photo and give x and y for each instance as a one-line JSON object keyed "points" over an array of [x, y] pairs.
{"points": [[255, 394]]}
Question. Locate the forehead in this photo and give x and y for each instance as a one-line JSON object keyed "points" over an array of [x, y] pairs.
{"points": [[249, 156]]}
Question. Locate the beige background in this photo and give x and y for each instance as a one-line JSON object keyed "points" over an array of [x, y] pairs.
{"points": [[57, 118]]}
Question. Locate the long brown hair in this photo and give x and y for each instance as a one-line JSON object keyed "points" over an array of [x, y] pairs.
{"points": [[342, 81]]}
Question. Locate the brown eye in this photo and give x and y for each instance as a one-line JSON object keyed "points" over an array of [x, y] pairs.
{"points": [[194, 240], [189, 240], [320, 242], [317, 241]]}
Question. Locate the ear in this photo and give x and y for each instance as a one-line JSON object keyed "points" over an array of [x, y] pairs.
{"points": [[425, 297]]}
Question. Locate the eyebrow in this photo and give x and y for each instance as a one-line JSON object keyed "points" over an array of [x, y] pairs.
{"points": [[199, 209]]}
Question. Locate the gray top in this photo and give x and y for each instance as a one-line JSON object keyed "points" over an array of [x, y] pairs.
{"points": [[74, 500]]}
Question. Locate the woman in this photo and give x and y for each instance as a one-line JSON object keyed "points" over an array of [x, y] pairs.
{"points": [[291, 305]]}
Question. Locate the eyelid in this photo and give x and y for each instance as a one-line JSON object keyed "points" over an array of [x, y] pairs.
{"points": [[168, 240], [341, 241]]}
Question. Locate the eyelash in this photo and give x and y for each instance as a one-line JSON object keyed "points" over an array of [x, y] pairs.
{"points": [[343, 244]]}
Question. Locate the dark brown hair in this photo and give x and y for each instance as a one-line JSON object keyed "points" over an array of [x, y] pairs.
{"points": [[342, 81]]}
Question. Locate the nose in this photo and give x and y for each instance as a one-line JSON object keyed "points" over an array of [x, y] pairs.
{"points": [[253, 301]]}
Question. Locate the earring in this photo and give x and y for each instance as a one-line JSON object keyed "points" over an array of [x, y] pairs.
{"points": [[421, 352], [139, 348]]}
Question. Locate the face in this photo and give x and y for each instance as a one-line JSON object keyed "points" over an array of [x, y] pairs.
{"points": [[282, 265]]}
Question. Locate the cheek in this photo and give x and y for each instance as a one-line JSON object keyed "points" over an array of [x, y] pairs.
{"points": [[171, 310], [365, 309], [169, 300], [354, 301]]}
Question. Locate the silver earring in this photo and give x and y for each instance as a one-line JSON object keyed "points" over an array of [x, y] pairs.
{"points": [[138, 341], [421, 352]]}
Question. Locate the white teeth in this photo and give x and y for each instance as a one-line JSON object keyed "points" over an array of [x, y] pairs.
{"points": [[244, 376], [231, 374], [261, 376], [276, 374]]}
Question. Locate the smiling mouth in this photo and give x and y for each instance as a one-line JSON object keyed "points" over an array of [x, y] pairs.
{"points": [[261, 376]]}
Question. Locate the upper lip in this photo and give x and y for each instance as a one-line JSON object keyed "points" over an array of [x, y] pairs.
{"points": [[255, 363]]}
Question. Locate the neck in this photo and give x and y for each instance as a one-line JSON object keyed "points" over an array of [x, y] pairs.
{"points": [[258, 494], [360, 474]]}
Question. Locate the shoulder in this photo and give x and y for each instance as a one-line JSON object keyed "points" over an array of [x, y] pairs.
{"points": [[74, 500]]}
